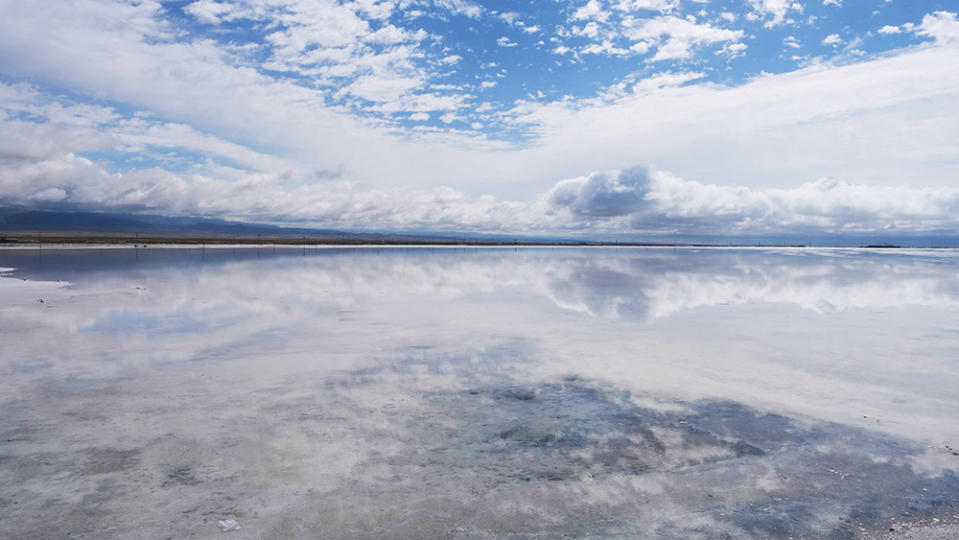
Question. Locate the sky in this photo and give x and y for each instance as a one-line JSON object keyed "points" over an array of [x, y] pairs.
{"points": [[578, 117]]}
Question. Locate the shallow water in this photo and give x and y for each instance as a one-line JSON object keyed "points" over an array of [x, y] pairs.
{"points": [[451, 392]]}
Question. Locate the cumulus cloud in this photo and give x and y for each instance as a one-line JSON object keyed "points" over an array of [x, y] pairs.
{"points": [[942, 26], [627, 27], [678, 35], [590, 10], [832, 39], [602, 195], [349, 48], [774, 11], [637, 199], [208, 11], [652, 5]]}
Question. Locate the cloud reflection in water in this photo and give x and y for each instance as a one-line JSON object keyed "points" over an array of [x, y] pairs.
{"points": [[482, 391]]}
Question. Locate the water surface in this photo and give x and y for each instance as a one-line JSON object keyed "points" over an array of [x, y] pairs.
{"points": [[451, 392]]}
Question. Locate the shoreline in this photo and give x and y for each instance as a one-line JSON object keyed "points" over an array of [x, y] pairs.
{"points": [[451, 245], [132, 240]]}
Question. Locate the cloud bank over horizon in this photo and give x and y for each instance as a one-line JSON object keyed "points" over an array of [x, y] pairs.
{"points": [[580, 118], [634, 200]]}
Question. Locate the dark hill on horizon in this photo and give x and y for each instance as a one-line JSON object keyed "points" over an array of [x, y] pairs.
{"points": [[85, 226], [112, 222], [29, 225]]}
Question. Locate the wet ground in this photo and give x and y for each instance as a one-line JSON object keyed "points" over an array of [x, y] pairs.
{"points": [[480, 394]]}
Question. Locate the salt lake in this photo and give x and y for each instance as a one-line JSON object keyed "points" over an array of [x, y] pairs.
{"points": [[461, 392]]}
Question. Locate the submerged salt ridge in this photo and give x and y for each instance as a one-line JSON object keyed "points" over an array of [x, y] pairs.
{"points": [[481, 392]]}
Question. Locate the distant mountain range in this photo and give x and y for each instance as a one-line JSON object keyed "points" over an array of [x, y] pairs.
{"points": [[91, 226], [12, 219], [18, 221]]}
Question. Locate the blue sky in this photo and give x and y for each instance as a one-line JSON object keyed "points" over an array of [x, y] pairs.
{"points": [[580, 117], [461, 65]]}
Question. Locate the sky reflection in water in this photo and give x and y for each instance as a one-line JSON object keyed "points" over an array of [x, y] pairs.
{"points": [[478, 392]]}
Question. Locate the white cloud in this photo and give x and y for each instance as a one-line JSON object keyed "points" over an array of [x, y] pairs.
{"points": [[592, 9], [376, 9], [887, 29], [381, 89], [837, 3], [423, 103], [679, 35], [590, 29], [52, 194], [611, 202], [511, 17], [832, 39], [631, 22], [28, 140], [337, 43], [942, 26], [666, 80], [605, 47], [635, 199], [390, 34], [602, 195], [634, 84], [207, 11], [916, 92], [504, 41], [774, 11], [733, 50], [68, 127], [458, 7], [640, 47], [663, 6]]}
